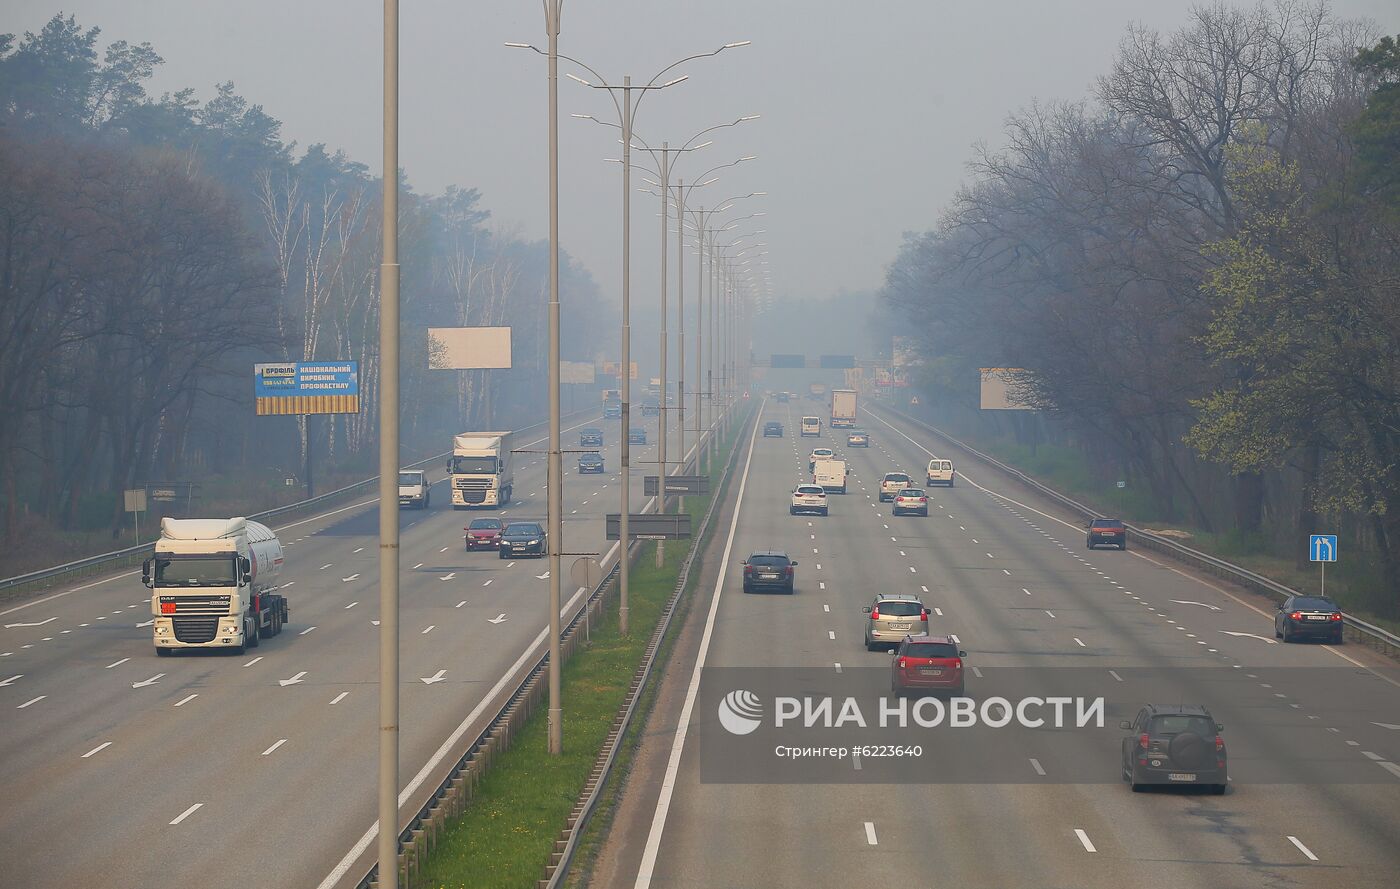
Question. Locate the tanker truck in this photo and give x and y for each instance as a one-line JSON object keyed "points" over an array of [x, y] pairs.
{"points": [[214, 585]]}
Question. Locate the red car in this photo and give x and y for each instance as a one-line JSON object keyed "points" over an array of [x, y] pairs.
{"points": [[483, 534], [927, 663]]}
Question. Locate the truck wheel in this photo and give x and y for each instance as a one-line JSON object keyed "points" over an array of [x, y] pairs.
{"points": [[254, 638]]}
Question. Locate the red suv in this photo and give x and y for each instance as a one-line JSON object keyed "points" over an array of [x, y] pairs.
{"points": [[927, 663]]}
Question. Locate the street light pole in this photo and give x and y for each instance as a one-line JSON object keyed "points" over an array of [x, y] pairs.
{"points": [[388, 840], [555, 469], [624, 537], [664, 430]]}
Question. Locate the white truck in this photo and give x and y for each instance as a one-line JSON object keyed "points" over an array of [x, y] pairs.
{"points": [[480, 470], [830, 474], [214, 585], [414, 488], [843, 408]]}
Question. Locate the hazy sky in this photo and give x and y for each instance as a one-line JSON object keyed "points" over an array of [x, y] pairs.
{"points": [[868, 108]]}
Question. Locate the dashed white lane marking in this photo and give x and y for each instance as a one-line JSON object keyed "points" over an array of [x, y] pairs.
{"points": [[187, 813], [954, 637], [1079, 642], [837, 664], [826, 608], [831, 634], [1026, 591], [1049, 612], [443, 550], [990, 556], [976, 672], [1039, 769], [253, 661], [489, 582], [428, 630], [1007, 573], [268, 751], [98, 749], [305, 631], [870, 834], [1390, 767], [912, 571], [938, 611], [416, 567], [1084, 840], [1115, 675], [325, 566], [1301, 848], [1374, 757], [351, 605], [821, 584], [116, 663], [924, 588], [183, 701], [31, 701], [460, 604], [340, 697], [357, 549]]}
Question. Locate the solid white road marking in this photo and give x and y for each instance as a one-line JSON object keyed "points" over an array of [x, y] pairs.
{"points": [[1301, 848], [340, 697], [870, 833], [116, 663], [1188, 602], [1084, 840], [187, 813], [9, 681], [269, 750], [1035, 764], [185, 700], [98, 749], [31, 701]]}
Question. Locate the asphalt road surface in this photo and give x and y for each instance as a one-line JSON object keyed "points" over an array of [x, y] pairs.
{"points": [[124, 770], [1010, 577]]}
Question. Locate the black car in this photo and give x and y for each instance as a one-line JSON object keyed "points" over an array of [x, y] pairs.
{"points": [[772, 430], [523, 539], [590, 462], [590, 437], [1308, 617], [637, 435], [1174, 744], [1106, 532], [769, 571]]}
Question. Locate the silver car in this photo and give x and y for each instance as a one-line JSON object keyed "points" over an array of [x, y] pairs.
{"points": [[892, 484], [891, 617]]}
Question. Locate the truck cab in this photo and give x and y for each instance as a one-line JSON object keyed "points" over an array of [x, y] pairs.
{"points": [[480, 470]]}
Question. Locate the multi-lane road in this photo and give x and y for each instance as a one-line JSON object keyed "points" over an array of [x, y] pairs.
{"points": [[1009, 576], [122, 769]]}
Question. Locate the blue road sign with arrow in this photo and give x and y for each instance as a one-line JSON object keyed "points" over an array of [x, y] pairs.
{"points": [[1322, 547]]}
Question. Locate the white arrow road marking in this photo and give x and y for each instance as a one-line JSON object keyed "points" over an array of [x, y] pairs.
{"points": [[436, 677], [142, 624], [39, 623], [498, 619], [1250, 635], [1393, 728], [293, 681], [187, 813], [350, 578], [544, 576], [1187, 602], [11, 679], [269, 750], [98, 749], [448, 576], [145, 682]]}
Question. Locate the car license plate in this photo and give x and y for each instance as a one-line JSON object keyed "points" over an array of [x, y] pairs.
{"points": [[1107, 534], [930, 671], [768, 577], [1317, 617], [899, 626], [1180, 776]]}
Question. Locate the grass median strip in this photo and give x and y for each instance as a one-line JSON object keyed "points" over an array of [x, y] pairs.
{"points": [[507, 833]]}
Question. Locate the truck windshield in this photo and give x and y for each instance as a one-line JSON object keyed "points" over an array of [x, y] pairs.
{"points": [[211, 571], [474, 465]]}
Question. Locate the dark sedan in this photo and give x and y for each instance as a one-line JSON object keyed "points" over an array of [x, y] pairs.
{"points": [[772, 430], [590, 437], [1308, 617], [523, 539], [590, 463], [637, 436]]}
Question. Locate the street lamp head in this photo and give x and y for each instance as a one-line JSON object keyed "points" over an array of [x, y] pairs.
{"points": [[575, 77], [520, 46], [676, 81], [738, 44], [749, 157], [747, 117]]}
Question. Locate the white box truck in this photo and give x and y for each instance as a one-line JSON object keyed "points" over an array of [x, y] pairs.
{"points": [[214, 585], [843, 408], [480, 470], [830, 474]]}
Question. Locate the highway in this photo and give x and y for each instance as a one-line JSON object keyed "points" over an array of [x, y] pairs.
{"points": [[127, 770], [1010, 577]]}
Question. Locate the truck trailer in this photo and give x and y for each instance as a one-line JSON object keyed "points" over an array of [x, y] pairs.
{"points": [[480, 470], [843, 408], [213, 584]]}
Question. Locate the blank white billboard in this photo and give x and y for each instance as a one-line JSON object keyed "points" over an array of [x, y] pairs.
{"points": [[1003, 389], [468, 348], [576, 372]]}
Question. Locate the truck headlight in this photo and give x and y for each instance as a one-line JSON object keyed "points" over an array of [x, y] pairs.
{"points": [[230, 630]]}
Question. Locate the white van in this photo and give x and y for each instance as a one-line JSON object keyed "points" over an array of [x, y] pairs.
{"points": [[831, 475], [940, 472], [811, 425]]}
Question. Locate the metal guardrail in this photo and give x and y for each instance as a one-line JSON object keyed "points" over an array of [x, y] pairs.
{"points": [[1361, 630], [89, 564], [558, 869]]}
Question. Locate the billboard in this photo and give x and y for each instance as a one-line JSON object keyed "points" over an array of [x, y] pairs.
{"points": [[307, 387], [576, 372], [468, 348], [777, 360], [1003, 389], [614, 369]]}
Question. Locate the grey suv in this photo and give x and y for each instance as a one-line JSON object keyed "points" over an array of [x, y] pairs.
{"points": [[891, 617], [1174, 744]]}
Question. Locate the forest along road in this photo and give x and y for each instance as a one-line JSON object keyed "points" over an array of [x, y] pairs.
{"points": [[118, 763], [1008, 575]]}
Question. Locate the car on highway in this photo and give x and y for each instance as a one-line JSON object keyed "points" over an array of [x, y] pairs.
{"points": [[414, 488], [911, 500], [772, 429], [590, 437], [929, 664], [811, 426], [483, 533], [939, 472], [591, 462], [637, 435], [782, 398], [651, 408], [1174, 744], [817, 455], [893, 616], [858, 440], [769, 570], [808, 498], [1106, 532], [1308, 617], [523, 539], [892, 484]]}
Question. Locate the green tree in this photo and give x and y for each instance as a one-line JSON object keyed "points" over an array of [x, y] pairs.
{"points": [[1376, 132]]}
